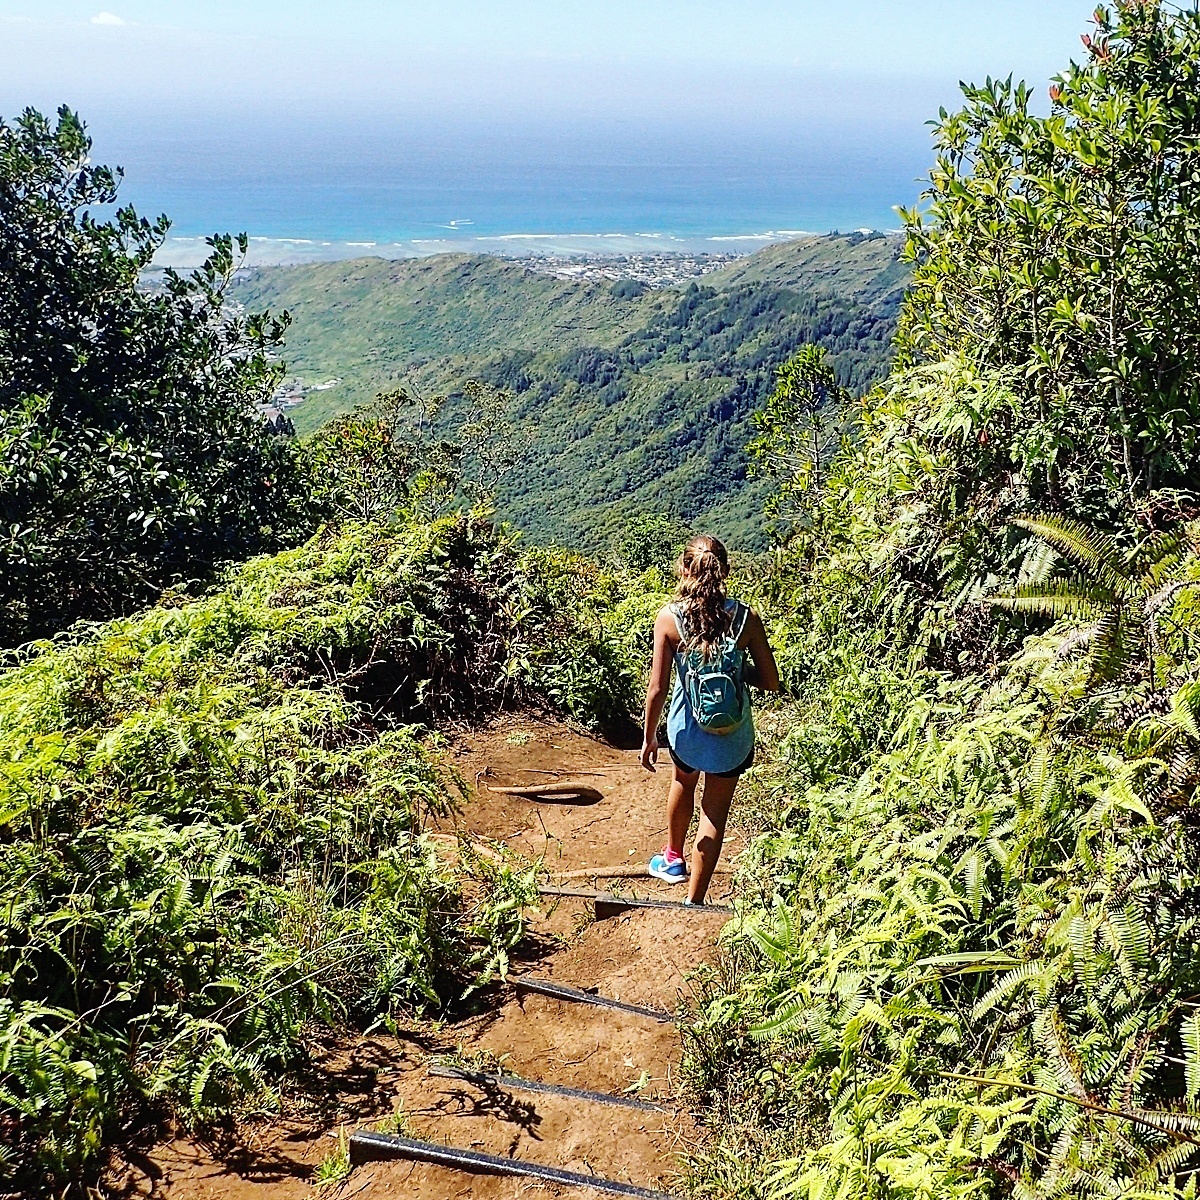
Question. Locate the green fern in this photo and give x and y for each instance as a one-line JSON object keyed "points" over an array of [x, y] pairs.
{"points": [[1121, 594]]}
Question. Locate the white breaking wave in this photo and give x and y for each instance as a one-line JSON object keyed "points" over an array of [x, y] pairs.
{"points": [[190, 251], [774, 235]]}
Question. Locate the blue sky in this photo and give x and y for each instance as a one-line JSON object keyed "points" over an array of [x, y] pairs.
{"points": [[357, 51]]}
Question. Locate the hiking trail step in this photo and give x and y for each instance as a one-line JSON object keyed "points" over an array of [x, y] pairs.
{"points": [[561, 991], [607, 905], [516, 1083], [365, 1146]]}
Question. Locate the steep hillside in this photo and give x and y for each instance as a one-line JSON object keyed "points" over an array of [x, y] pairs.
{"points": [[853, 267], [372, 321], [637, 399]]}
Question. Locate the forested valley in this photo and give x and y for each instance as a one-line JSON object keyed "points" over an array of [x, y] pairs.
{"points": [[963, 957], [628, 399]]}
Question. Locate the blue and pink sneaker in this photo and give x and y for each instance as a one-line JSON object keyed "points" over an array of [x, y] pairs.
{"points": [[668, 866]]}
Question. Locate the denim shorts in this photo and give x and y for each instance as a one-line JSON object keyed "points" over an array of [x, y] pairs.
{"points": [[687, 770]]}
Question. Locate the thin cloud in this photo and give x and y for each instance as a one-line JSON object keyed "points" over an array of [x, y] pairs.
{"points": [[107, 18]]}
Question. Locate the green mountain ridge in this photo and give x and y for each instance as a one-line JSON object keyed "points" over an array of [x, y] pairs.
{"points": [[853, 266], [636, 399]]}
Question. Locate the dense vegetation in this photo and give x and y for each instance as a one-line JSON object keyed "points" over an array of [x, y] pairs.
{"points": [[130, 454], [1061, 250], [212, 812], [633, 400], [967, 960]]}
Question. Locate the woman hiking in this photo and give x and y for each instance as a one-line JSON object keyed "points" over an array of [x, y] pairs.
{"points": [[710, 730]]}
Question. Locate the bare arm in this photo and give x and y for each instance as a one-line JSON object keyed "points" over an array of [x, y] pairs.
{"points": [[762, 672], [665, 637]]}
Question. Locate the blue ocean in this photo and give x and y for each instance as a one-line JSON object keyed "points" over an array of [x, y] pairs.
{"points": [[312, 192]]}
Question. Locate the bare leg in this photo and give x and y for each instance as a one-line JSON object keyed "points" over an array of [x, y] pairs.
{"points": [[681, 803], [714, 812]]}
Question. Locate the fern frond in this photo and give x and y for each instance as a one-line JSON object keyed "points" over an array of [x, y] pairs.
{"points": [[1086, 547], [1159, 556], [1062, 1058], [1166, 1163], [1185, 710], [1131, 935], [974, 877], [789, 1017], [1006, 985], [1190, 1033], [1173, 1122], [1061, 598], [1111, 648], [1038, 565]]}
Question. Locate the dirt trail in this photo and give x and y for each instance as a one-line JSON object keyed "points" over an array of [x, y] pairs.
{"points": [[639, 957]]}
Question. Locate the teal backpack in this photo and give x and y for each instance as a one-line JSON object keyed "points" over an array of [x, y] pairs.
{"points": [[716, 688]]}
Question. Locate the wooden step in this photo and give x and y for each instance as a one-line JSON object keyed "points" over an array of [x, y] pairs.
{"points": [[517, 1084], [366, 1146], [607, 905], [562, 991]]}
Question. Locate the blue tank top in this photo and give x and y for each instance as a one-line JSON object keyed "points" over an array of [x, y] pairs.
{"points": [[704, 751]]}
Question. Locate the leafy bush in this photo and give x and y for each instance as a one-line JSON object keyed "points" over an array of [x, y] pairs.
{"points": [[978, 947], [1061, 248], [367, 464], [210, 819], [586, 646], [801, 427], [130, 452], [650, 540]]}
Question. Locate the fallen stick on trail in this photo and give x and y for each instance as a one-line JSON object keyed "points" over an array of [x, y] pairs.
{"points": [[552, 791], [480, 848], [556, 774]]}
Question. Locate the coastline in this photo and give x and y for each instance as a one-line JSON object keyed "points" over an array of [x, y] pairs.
{"points": [[184, 252]]}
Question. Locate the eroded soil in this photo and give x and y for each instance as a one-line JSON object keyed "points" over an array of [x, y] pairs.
{"points": [[640, 957]]}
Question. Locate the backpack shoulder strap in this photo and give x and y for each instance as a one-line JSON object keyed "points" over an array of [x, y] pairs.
{"points": [[674, 610], [740, 617]]}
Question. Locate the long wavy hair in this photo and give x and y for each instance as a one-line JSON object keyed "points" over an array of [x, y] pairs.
{"points": [[701, 594]]}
